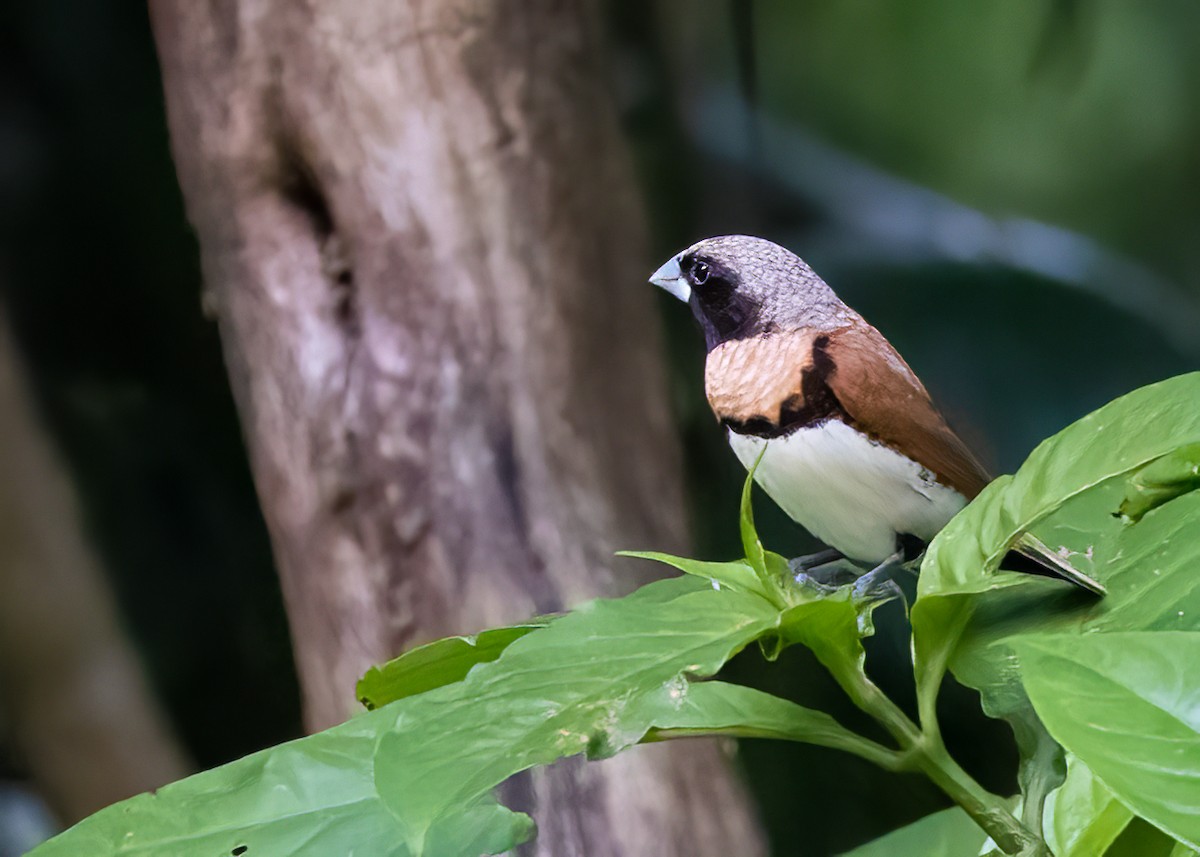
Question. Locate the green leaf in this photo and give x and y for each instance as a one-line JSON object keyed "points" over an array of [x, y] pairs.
{"points": [[435, 664], [761, 572], [1161, 481], [833, 627], [1128, 705], [415, 777], [1083, 817], [1066, 492], [1149, 569], [949, 833], [319, 795], [1141, 839], [737, 575], [968, 614], [714, 707]]}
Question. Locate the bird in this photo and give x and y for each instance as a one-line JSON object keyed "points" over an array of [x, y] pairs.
{"points": [[838, 429]]}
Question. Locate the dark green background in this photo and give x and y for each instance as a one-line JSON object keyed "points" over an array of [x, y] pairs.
{"points": [[1008, 191]]}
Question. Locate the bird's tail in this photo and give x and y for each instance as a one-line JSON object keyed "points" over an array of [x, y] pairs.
{"points": [[1032, 556]]}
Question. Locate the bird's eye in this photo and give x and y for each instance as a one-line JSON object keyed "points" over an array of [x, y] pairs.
{"points": [[700, 272]]}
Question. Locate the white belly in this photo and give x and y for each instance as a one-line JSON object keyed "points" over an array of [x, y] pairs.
{"points": [[848, 491]]}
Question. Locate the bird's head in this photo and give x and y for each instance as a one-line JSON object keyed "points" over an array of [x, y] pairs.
{"points": [[740, 286]]}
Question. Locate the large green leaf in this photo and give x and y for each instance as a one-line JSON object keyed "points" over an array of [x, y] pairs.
{"points": [[415, 777], [1149, 570], [1067, 492], [1083, 817], [949, 833], [319, 795], [1128, 705]]}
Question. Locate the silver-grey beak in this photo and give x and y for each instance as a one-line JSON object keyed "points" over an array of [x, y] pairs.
{"points": [[670, 277]]}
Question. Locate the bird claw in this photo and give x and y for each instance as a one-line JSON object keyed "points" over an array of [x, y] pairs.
{"points": [[878, 586], [877, 591], [818, 572]]}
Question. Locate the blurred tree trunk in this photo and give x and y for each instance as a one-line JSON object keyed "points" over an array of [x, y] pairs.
{"points": [[422, 243], [71, 688]]}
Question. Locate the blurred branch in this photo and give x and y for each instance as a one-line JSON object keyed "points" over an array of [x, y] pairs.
{"points": [[73, 693], [892, 219]]}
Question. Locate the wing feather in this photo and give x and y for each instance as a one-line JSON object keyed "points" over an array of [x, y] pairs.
{"points": [[885, 400]]}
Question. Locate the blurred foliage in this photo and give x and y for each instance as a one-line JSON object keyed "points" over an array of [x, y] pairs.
{"points": [[1079, 113]]}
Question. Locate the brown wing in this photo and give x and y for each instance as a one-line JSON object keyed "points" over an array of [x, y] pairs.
{"points": [[885, 400]]}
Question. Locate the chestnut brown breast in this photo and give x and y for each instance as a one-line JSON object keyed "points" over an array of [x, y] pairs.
{"points": [[758, 385]]}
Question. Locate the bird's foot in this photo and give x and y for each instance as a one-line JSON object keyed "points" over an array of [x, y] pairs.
{"points": [[814, 570], [879, 585]]}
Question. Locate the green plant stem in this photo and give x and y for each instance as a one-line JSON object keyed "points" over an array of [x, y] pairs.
{"points": [[924, 751], [988, 810]]}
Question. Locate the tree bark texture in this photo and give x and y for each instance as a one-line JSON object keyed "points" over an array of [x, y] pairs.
{"points": [[422, 244], [71, 689]]}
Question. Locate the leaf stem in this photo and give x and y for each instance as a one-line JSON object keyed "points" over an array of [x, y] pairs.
{"points": [[988, 810], [924, 750]]}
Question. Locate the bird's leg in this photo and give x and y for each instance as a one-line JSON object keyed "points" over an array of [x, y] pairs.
{"points": [[805, 570], [879, 584], [809, 561]]}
